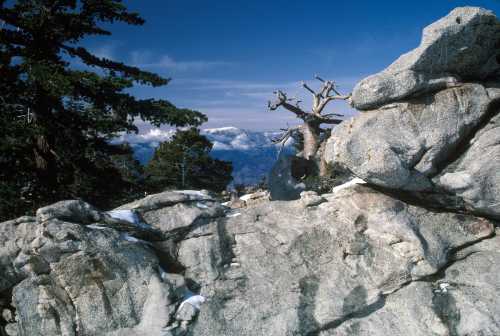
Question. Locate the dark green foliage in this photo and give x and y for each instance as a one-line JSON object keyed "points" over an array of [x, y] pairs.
{"points": [[185, 163], [56, 121]]}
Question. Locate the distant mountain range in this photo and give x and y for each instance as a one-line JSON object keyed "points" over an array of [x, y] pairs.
{"points": [[252, 153]]}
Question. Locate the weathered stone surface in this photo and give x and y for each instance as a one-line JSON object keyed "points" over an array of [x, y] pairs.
{"points": [[15, 235], [284, 180], [403, 145], [298, 268], [167, 198], [82, 279], [7, 315], [461, 46], [71, 210], [475, 177], [11, 329], [457, 301], [97, 283], [181, 216], [330, 264]]}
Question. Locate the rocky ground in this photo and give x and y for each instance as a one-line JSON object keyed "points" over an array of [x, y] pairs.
{"points": [[413, 251]]}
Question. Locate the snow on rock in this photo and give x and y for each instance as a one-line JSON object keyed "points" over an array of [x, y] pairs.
{"points": [[202, 206], [199, 193], [129, 238], [193, 299], [349, 184], [125, 215], [129, 216], [96, 227], [246, 197]]}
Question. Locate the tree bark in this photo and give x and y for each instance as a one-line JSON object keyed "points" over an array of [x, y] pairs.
{"points": [[311, 134]]}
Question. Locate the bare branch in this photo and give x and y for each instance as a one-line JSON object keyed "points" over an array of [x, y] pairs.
{"points": [[312, 120], [304, 84], [333, 115], [337, 93], [283, 101], [327, 89], [319, 78], [285, 136], [331, 121], [288, 132]]}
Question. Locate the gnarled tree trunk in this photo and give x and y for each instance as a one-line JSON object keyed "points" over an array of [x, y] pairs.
{"points": [[311, 128]]}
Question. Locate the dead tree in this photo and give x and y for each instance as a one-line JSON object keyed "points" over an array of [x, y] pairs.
{"points": [[311, 127]]}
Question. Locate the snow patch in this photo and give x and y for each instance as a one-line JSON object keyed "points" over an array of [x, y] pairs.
{"points": [[193, 299], [246, 197], [443, 288], [129, 238], [129, 216], [97, 227], [192, 193], [349, 184], [125, 215], [202, 206]]}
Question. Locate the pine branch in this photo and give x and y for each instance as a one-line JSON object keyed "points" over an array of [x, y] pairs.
{"points": [[135, 73]]}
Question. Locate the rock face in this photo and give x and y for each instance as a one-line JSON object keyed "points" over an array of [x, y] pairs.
{"points": [[74, 270], [352, 262], [403, 145], [411, 248], [295, 269], [475, 176], [464, 45], [87, 280], [284, 179], [439, 144]]}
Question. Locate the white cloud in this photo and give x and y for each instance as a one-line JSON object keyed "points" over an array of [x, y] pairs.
{"points": [[244, 103], [153, 135], [146, 59], [225, 84]]}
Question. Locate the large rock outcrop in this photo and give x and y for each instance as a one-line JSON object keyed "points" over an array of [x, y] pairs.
{"points": [[306, 267], [439, 145], [463, 46], [335, 264], [74, 270]]}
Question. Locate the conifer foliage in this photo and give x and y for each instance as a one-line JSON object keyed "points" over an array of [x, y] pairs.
{"points": [[56, 119], [184, 162]]}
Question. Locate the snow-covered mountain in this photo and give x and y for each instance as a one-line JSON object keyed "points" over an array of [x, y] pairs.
{"points": [[252, 153]]}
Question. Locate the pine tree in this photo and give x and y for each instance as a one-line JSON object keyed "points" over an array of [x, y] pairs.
{"points": [[56, 119], [185, 163]]}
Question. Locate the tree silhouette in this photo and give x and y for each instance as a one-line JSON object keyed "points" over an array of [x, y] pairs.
{"points": [[60, 104]]}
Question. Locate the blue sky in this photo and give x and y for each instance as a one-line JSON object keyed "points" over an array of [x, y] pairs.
{"points": [[225, 57]]}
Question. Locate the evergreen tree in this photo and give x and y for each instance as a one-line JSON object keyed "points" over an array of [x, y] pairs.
{"points": [[131, 174], [56, 120], [185, 163]]}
